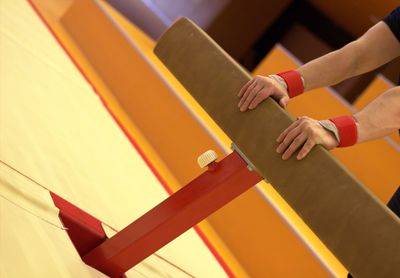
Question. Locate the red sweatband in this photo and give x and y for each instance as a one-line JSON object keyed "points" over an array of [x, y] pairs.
{"points": [[293, 81], [347, 128]]}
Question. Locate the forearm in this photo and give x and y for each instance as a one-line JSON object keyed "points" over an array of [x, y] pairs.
{"points": [[329, 69], [375, 48], [380, 117]]}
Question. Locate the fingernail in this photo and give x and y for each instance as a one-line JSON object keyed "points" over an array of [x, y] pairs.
{"points": [[299, 157]]}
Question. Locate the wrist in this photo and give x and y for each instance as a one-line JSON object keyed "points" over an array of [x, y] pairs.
{"points": [[279, 80], [294, 82], [347, 130], [330, 127]]}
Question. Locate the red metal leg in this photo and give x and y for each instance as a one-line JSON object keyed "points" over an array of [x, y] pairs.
{"points": [[204, 195], [223, 182]]}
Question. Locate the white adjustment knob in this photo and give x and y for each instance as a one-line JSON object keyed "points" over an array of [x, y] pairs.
{"points": [[207, 158]]}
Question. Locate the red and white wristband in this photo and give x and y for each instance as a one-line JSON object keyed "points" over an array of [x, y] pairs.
{"points": [[344, 128], [291, 80]]}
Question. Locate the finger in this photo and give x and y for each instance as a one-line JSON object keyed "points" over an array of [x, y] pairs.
{"points": [[244, 88], [246, 93], [250, 98], [295, 145], [283, 102], [258, 99], [286, 131], [288, 139], [306, 149]]}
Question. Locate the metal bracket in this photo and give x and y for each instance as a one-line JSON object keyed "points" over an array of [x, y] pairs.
{"points": [[250, 165]]}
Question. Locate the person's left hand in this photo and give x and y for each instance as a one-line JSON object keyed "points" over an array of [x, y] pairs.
{"points": [[304, 133]]}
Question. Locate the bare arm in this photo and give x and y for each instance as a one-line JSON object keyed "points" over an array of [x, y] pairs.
{"points": [[375, 48], [380, 117]]}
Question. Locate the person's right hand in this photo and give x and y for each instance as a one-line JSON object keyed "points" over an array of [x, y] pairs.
{"points": [[258, 89]]}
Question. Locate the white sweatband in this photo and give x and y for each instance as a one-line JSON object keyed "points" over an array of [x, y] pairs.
{"points": [[331, 127]]}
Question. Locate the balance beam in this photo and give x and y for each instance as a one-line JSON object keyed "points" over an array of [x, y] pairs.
{"points": [[359, 230]]}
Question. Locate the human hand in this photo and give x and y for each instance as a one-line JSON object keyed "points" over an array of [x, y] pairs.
{"points": [[258, 89], [304, 134]]}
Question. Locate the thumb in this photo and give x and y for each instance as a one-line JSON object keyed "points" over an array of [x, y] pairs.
{"points": [[283, 102]]}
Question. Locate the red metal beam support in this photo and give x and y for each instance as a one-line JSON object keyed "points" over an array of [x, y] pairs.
{"points": [[223, 182]]}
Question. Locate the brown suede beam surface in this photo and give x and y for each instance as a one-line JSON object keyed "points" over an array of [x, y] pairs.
{"points": [[359, 230]]}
